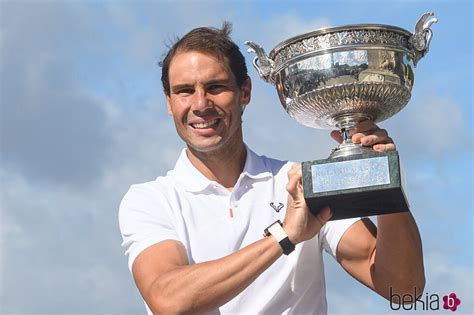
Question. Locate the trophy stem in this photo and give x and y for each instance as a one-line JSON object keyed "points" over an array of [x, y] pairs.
{"points": [[347, 148], [346, 136]]}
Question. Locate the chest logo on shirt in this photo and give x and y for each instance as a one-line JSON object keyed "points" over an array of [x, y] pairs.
{"points": [[275, 207]]}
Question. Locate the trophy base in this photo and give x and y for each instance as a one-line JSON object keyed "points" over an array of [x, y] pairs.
{"points": [[355, 186]]}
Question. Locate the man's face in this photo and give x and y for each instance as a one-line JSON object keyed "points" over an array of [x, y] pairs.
{"points": [[205, 101]]}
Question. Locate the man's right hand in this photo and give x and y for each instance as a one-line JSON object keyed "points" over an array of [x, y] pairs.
{"points": [[300, 224]]}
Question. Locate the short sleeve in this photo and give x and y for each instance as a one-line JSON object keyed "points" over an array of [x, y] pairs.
{"points": [[145, 218], [332, 232]]}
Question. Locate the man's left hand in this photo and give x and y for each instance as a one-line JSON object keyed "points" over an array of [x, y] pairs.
{"points": [[369, 135]]}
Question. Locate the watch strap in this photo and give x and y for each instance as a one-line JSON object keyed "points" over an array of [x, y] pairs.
{"points": [[277, 231]]}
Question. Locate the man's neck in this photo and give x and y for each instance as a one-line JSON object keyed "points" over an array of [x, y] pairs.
{"points": [[224, 166]]}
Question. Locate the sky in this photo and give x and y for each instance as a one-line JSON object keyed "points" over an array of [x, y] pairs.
{"points": [[83, 117]]}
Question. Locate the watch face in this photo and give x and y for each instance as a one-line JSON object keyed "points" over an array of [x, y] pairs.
{"points": [[266, 233]]}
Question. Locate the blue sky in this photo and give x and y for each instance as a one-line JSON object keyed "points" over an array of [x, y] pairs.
{"points": [[83, 117]]}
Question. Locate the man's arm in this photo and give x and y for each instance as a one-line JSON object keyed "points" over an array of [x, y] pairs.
{"points": [[387, 256], [170, 285]]}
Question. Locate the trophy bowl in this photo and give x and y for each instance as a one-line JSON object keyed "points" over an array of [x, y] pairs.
{"points": [[336, 77]]}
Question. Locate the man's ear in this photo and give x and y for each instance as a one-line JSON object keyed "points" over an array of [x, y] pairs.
{"points": [[168, 105], [246, 92]]}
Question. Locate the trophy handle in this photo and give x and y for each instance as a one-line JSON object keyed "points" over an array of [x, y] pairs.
{"points": [[421, 38], [261, 62]]}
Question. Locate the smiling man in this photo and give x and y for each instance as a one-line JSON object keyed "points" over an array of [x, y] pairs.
{"points": [[209, 237]]}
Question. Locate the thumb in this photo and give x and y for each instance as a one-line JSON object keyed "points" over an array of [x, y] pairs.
{"points": [[294, 186]]}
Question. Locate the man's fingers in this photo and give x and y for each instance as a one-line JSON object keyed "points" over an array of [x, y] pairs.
{"points": [[372, 137], [384, 147], [323, 216], [367, 133], [364, 126], [380, 134], [336, 135]]}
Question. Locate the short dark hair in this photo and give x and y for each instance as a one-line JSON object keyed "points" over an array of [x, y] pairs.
{"points": [[212, 41]]}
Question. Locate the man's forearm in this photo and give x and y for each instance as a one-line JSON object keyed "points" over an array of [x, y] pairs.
{"points": [[205, 286], [398, 259]]}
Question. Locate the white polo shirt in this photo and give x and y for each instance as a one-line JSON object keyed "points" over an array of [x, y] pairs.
{"points": [[212, 222]]}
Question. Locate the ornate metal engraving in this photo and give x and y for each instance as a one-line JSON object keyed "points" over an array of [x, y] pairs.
{"points": [[357, 37]]}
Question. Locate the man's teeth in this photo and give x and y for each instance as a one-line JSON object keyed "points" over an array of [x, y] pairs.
{"points": [[205, 125]]}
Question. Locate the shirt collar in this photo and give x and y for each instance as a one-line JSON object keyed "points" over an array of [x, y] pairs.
{"points": [[255, 166], [194, 181]]}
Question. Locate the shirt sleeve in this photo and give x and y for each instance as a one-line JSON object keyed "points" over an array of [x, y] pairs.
{"points": [[145, 218], [332, 232]]}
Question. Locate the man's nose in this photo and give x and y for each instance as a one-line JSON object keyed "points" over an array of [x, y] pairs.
{"points": [[201, 100]]}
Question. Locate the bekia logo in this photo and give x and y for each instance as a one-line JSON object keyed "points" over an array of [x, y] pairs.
{"points": [[424, 302], [451, 302]]}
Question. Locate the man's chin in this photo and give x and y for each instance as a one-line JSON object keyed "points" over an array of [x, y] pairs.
{"points": [[205, 147]]}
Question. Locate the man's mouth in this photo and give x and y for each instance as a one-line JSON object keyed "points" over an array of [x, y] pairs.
{"points": [[205, 125]]}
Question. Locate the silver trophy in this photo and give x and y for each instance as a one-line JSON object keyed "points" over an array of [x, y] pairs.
{"points": [[335, 78]]}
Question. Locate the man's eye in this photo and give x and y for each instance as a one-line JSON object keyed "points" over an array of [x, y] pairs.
{"points": [[184, 91], [215, 88]]}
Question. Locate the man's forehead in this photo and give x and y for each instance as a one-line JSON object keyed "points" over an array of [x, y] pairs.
{"points": [[186, 62], [219, 58]]}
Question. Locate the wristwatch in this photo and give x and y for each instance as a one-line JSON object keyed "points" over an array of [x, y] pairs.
{"points": [[276, 229]]}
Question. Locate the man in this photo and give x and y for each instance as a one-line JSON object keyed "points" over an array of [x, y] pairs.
{"points": [[194, 237]]}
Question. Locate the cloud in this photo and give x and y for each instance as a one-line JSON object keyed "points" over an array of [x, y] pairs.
{"points": [[445, 275], [61, 248], [431, 125], [268, 31], [268, 128], [69, 238], [53, 130], [145, 144], [291, 24]]}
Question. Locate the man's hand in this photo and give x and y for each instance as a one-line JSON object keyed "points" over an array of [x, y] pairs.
{"points": [[369, 135], [299, 223]]}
